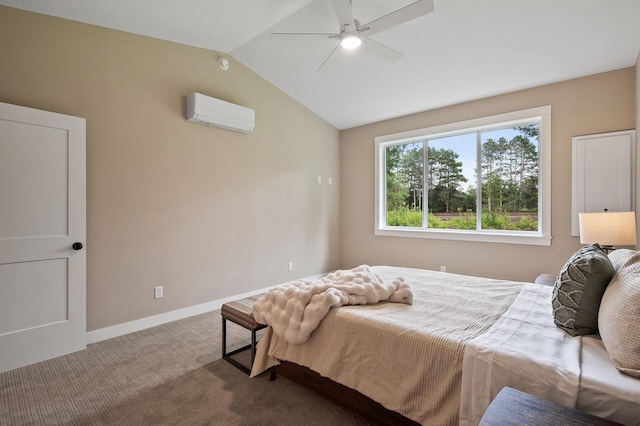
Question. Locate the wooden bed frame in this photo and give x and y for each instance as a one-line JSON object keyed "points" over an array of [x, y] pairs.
{"points": [[347, 398]]}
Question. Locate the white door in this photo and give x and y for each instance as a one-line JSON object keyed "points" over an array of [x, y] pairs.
{"points": [[42, 216]]}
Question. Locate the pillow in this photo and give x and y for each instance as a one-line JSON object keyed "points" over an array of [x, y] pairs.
{"points": [[579, 288], [621, 256], [619, 317]]}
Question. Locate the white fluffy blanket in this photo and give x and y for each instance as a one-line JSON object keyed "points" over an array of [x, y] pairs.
{"points": [[294, 310]]}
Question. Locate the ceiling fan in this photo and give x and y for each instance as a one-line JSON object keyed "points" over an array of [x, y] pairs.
{"points": [[353, 35]]}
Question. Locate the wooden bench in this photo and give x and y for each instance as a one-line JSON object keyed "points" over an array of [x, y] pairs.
{"points": [[241, 313]]}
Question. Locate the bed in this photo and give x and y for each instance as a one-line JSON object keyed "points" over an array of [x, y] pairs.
{"points": [[442, 359]]}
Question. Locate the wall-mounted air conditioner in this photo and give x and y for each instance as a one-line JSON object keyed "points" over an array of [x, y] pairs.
{"points": [[210, 111]]}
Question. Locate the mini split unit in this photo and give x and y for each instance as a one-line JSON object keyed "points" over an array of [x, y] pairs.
{"points": [[210, 111]]}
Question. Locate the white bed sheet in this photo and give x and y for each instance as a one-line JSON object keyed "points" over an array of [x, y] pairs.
{"points": [[526, 351], [523, 350], [604, 391]]}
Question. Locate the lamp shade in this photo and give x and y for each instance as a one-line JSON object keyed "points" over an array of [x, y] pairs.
{"points": [[608, 229]]}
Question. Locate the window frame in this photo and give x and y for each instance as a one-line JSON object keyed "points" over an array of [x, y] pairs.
{"points": [[511, 119]]}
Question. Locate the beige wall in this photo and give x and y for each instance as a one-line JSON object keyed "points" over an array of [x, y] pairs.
{"points": [[596, 104], [206, 213], [209, 213]]}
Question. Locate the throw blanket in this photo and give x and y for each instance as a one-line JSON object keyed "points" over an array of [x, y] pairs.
{"points": [[294, 310]]}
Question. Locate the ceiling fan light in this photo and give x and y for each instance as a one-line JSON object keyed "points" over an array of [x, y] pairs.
{"points": [[351, 41]]}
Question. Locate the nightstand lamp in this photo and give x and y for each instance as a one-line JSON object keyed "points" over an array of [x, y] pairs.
{"points": [[609, 229]]}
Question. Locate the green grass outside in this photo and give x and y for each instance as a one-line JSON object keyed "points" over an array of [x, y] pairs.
{"points": [[413, 218]]}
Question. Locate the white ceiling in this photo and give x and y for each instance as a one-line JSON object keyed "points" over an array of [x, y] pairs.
{"points": [[464, 50]]}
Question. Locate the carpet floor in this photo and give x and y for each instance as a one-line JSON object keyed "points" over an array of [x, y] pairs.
{"points": [[166, 375]]}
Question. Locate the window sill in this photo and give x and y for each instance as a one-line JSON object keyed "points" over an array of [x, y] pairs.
{"points": [[461, 235]]}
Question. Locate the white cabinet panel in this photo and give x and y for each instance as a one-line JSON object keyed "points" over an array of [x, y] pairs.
{"points": [[603, 174]]}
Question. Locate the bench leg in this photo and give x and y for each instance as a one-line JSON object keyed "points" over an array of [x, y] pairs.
{"points": [[227, 355], [224, 337]]}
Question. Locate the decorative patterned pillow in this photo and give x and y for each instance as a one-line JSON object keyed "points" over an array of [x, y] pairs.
{"points": [[579, 288], [620, 315]]}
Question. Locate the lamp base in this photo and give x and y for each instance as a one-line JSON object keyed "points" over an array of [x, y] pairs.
{"points": [[607, 249]]}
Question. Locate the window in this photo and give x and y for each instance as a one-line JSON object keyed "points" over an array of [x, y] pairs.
{"points": [[486, 179]]}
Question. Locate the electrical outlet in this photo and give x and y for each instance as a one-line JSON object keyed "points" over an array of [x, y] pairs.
{"points": [[158, 292], [319, 179], [443, 268], [290, 266]]}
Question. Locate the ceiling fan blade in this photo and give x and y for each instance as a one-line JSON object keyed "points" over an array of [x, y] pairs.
{"points": [[400, 16], [304, 35], [344, 13], [330, 54], [379, 49]]}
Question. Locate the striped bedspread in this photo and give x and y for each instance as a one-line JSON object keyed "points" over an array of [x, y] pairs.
{"points": [[406, 357]]}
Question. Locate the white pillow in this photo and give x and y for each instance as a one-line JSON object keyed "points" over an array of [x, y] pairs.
{"points": [[621, 256], [619, 315]]}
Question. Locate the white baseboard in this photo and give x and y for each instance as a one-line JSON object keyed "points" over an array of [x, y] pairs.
{"points": [[144, 323]]}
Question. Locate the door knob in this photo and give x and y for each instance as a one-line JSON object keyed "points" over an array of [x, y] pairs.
{"points": [[77, 246]]}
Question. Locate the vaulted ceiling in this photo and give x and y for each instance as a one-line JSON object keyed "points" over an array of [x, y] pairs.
{"points": [[464, 50]]}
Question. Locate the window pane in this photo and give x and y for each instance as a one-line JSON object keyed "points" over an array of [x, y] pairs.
{"points": [[452, 182], [404, 164], [510, 178]]}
